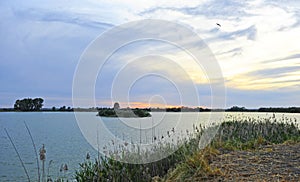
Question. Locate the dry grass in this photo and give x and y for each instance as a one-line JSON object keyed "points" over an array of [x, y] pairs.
{"points": [[237, 153]]}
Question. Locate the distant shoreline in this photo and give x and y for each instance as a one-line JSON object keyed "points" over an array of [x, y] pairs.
{"points": [[174, 109]]}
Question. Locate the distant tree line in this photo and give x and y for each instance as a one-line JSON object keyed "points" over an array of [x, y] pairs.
{"points": [[29, 104], [280, 109], [232, 109], [265, 109], [36, 104], [63, 108]]}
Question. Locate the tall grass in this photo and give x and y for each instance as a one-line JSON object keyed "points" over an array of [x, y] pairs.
{"points": [[35, 151], [18, 154], [243, 132], [235, 133], [106, 168]]}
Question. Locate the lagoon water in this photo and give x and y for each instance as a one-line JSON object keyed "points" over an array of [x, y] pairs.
{"points": [[66, 144]]}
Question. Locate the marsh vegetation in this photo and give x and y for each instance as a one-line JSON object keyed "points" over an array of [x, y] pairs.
{"points": [[236, 133]]}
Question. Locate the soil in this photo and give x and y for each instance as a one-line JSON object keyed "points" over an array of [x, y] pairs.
{"points": [[268, 163]]}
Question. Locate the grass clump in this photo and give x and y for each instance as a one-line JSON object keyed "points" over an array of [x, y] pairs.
{"points": [[249, 133], [108, 169]]}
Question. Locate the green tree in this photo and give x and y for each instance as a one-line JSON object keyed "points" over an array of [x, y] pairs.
{"points": [[63, 108], [29, 104], [37, 103]]}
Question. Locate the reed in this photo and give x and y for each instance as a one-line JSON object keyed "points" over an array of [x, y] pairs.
{"points": [[35, 151], [235, 133], [16, 150], [43, 159]]}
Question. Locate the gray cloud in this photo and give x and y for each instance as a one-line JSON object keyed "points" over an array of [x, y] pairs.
{"points": [[249, 32], [263, 98], [40, 51], [60, 16], [274, 72], [233, 52], [293, 56], [213, 9]]}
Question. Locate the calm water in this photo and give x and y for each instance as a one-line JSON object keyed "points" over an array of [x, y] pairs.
{"points": [[65, 143]]}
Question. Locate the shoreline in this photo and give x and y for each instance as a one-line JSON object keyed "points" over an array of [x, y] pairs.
{"points": [[272, 162], [95, 110]]}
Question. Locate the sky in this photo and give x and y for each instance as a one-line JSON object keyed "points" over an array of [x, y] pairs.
{"points": [[256, 47]]}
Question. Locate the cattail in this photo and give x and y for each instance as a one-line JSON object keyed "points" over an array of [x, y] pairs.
{"points": [[66, 167], [88, 156], [43, 153], [43, 158]]}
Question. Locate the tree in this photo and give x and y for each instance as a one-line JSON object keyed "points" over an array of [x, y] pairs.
{"points": [[63, 108], [236, 108], [116, 106], [37, 104], [29, 104]]}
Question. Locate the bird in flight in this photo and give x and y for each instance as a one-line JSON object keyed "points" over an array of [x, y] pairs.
{"points": [[218, 24]]}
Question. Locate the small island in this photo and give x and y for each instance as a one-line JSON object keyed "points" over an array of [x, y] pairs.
{"points": [[116, 111]]}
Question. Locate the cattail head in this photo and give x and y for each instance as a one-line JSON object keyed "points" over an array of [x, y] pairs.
{"points": [[88, 156], [43, 153], [66, 167]]}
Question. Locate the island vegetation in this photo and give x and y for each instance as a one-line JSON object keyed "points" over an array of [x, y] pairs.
{"points": [[116, 111]]}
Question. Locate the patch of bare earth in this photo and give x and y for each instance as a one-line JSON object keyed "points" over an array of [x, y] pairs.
{"points": [[268, 163]]}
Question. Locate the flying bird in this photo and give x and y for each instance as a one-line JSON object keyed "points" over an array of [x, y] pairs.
{"points": [[218, 24]]}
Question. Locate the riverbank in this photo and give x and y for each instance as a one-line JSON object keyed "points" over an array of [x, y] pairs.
{"points": [[279, 162], [243, 149]]}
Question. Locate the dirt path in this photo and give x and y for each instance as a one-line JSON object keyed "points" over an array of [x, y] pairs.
{"points": [[269, 163]]}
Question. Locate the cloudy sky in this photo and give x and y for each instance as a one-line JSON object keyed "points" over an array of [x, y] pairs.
{"points": [[257, 48]]}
